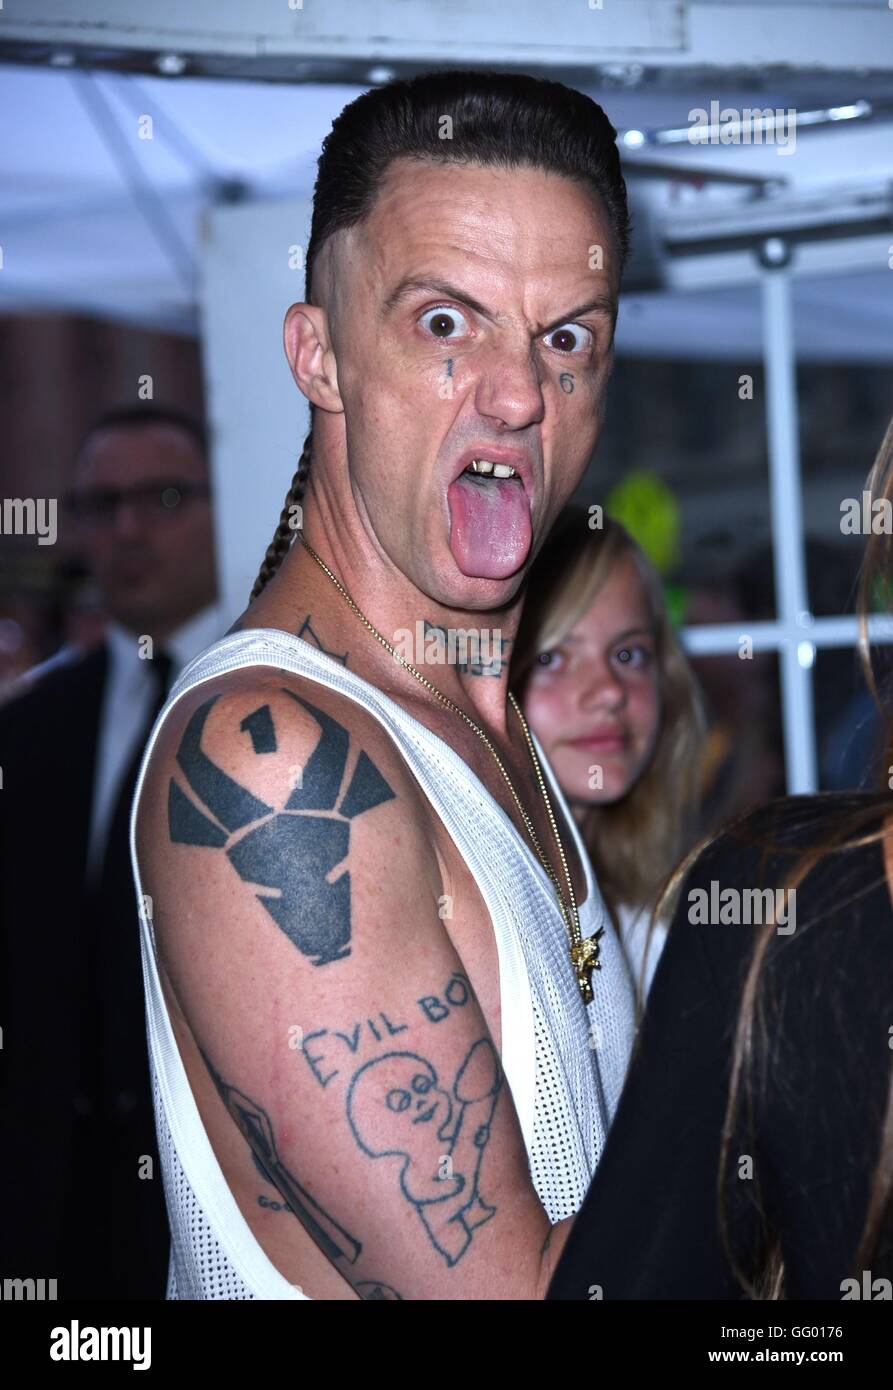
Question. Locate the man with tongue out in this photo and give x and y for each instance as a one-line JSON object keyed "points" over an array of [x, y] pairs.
{"points": [[455, 344]]}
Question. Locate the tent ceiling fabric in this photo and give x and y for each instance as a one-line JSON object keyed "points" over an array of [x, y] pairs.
{"points": [[101, 221], [313, 41]]}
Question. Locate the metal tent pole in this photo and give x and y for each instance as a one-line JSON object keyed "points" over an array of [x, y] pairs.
{"points": [[797, 652]]}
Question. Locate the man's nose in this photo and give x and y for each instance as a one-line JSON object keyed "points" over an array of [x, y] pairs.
{"points": [[127, 522], [510, 389]]}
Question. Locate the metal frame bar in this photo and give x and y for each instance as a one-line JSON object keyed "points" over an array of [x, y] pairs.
{"points": [[797, 654], [718, 639]]}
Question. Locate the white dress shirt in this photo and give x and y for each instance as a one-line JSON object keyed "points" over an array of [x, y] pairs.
{"points": [[130, 693]]}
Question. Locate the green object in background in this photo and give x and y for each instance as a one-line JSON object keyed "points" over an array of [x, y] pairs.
{"points": [[677, 602], [647, 508]]}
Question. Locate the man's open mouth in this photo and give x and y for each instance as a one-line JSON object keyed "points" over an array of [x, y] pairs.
{"points": [[490, 527]]}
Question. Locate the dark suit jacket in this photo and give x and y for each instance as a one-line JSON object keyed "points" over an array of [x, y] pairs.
{"points": [[48, 749]]}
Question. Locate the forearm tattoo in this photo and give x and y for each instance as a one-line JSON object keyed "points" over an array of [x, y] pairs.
{"points": [[290, 853]]}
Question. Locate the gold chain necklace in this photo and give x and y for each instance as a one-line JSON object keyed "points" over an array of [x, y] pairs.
{"points": [[584, 951]]}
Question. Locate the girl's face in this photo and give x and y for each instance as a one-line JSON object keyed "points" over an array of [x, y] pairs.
{"points": [[594, 700]]}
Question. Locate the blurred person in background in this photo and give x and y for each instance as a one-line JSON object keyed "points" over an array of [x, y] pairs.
{"points": [[36, 636], [81, 1202], [609, 693], [18, 652], [742, 761]]}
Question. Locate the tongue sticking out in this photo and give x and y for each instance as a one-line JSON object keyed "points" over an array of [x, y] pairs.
{"points": [[490, 529]]}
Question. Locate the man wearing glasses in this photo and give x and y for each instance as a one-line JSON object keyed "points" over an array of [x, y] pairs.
{"points": [[82, 1200]]}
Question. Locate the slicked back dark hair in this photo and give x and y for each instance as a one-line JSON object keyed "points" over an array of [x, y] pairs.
{"points": [[501, 120]]}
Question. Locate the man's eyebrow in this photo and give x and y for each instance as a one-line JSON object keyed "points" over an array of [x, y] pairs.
{"points": [[412, 284]]}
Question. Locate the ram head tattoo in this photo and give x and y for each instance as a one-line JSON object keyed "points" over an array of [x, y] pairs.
{"points": [[290, 854]]}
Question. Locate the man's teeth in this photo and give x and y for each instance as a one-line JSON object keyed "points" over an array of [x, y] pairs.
{"points": [[489, 469]]}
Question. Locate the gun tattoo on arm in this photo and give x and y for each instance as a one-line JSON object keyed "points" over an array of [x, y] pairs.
{"points": [[255, 1126]]}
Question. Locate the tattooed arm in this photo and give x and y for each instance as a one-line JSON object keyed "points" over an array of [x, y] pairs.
{"points": [[297, 909]]}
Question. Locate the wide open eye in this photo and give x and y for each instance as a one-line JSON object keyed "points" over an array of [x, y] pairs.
{"points": [[549, 660], [570, 337], [635, 656], [398, 1099], [443, 320]]}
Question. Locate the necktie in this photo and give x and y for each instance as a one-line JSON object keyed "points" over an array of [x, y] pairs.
{"points": [[161, 669]]}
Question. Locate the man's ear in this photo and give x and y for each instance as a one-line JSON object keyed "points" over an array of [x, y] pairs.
{"points": [[310, 355]]}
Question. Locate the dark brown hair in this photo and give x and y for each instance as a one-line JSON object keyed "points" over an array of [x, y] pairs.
{"points": [[144, 416], [501, 120]]}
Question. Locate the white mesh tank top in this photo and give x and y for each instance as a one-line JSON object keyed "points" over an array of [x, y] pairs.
{"points": [[564, 1061]]}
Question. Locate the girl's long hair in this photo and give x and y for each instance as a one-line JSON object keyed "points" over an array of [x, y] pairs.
{"points": [[633, 843], [835, 824]]}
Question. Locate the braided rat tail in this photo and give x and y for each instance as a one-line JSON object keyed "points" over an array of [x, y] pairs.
{"points": [[285, 531]]}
